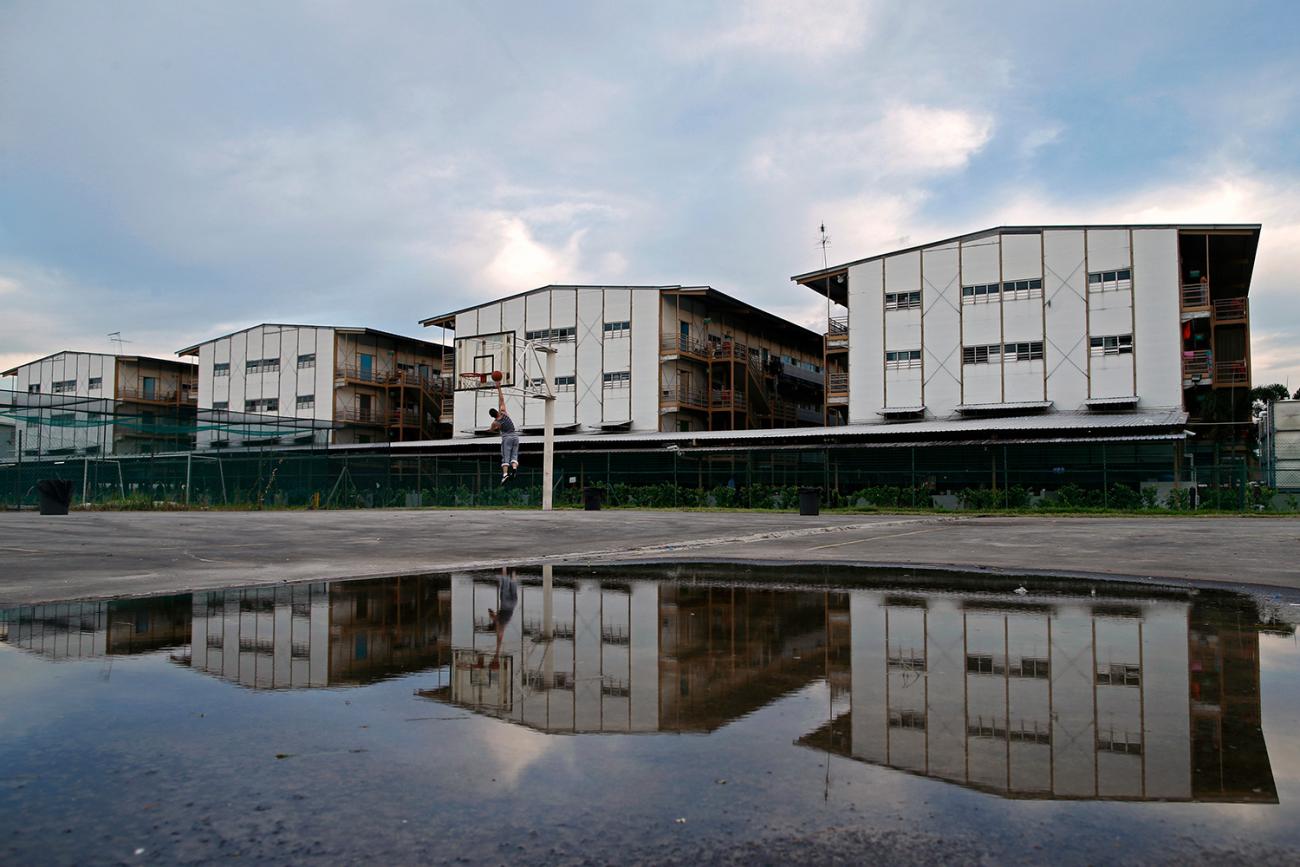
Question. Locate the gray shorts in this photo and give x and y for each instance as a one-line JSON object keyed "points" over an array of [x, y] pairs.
{"points": [[510, 448]]}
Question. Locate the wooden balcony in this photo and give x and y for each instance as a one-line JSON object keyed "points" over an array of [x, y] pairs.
{"points": [[1196, 296], [353, 415], [1228, 311], [1230, 374], [184, 397], [837, 333], [684, 346], [681, 397], [1197, 368], [727, 399]]}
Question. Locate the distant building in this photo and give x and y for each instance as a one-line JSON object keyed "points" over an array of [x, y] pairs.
{"points": [[1021, 320], [95, 403], [8, 440], [650, 358], [1279, 445], [373, 386]]}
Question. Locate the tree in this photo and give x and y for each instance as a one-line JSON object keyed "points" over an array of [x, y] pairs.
{"points": [[1296, 396], [1262, 395]]}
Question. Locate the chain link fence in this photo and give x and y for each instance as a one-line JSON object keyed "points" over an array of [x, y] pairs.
{"points": [[1098, 475]]}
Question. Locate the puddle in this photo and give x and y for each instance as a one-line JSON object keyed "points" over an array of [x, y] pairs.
{"points": [[684, 714]]}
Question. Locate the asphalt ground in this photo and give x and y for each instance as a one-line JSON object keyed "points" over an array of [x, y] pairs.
{"points": [[109, 554]]}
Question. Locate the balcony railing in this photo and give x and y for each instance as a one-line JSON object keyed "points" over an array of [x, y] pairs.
{"points": [[728, 398], [434, 383], [683, 344], [1231, 373], [683, 395], [1196, 296], [1230, 310], [360, 416], [837, 383], [156, 396], [1197, 367]]}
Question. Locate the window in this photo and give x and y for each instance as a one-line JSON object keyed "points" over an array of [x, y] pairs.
{"points": [[34, 388], [221, 368], [618, 329], [901, 358], [96, 382], [617, 379], [1036, 735], [980, 354], [983, 663], [910, 661], [263, 365], [980, 293], [1110, 281], [263, 404], [64, 385], [1119, 674], [1030, 667], [1029, 351], [1119, 742], [306, 401], [1014, 289], [308, 360], [902, 300], [552, 334], [907, 719], [1117, 344], [221, 404]]}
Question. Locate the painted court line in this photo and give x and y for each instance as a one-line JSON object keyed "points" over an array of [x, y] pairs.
{"points": [[872, 539]]}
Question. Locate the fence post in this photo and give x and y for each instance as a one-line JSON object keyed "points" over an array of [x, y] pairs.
{"points": [[1105, 479], [189, 466]]}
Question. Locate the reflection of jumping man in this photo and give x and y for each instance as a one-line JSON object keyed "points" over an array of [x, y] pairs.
{"points": [[501, 421], [507, 598]]}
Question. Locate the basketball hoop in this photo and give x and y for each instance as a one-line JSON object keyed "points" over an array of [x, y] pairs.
{"points": [[472, 379]]}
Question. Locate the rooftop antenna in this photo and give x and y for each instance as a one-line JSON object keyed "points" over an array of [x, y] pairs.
{"points": [[116, 338], [823, 242]]}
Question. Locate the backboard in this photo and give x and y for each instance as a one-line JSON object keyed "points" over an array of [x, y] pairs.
{"points": [[484, 353]]}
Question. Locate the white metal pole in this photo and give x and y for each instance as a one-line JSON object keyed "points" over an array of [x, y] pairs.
{"points": [[85, 479], [548, 624], [548, 448], [189, 463]]}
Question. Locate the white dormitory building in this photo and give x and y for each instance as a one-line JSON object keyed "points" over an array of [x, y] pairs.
{"points": [[642, 358], [359, 384], [96, 403], [1020, 320]]}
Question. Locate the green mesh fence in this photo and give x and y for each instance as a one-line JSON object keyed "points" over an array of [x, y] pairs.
{"points": [[1074, 475]]}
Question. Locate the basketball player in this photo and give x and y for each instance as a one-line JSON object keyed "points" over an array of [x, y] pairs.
{"points": [[501, 421]]}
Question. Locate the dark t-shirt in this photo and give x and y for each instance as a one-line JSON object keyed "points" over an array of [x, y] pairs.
{"points": [[504, 424]]}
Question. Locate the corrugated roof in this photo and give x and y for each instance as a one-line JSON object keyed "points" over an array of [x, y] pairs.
{"points": [[1013, 230], [13, 371], [342, 329], [1162, 424]]}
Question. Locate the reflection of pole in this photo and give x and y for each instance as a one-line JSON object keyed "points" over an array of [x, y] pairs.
{"points": [[548, 626]]}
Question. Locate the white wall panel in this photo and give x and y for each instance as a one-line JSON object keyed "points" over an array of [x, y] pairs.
{"points": [[1157, 342], [941, 354], [1022, 256], [1107, 249], [866, 354], [644, 349], [1066, 347]]}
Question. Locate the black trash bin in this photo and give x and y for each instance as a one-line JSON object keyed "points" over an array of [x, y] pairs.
{"points": [[591, 498], [810, 501], [56, 496]]}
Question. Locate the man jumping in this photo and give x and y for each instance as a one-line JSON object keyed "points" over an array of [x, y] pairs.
{"points": [[501, 421]]}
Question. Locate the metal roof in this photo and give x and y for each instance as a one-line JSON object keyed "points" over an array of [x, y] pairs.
{"points": [[13, 371], [341, 329], [1158, 424], [1022, 230]]}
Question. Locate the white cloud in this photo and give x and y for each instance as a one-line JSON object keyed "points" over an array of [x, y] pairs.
{"points": [[522, 262], [909, 141], [809, 33]]}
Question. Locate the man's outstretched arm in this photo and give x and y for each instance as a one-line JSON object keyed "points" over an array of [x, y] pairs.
{"points": [[501, 400]]}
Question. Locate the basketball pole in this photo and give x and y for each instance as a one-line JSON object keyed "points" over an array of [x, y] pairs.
{"points": [[548, 434]]}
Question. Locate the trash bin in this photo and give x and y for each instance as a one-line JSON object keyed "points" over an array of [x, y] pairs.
{"points": [[591, 498], [56, 496], [810, 501]]}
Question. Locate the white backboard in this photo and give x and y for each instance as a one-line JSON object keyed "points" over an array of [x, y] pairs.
{"points": [[484, 353]]}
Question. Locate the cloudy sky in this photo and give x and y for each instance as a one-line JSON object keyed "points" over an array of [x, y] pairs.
{"points": [[174, 171]]}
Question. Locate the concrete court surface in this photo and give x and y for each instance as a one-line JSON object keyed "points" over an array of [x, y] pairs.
{"points": [[102, 554]]}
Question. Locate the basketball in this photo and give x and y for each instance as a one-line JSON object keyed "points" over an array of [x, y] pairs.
{"points": [[496, 376]]}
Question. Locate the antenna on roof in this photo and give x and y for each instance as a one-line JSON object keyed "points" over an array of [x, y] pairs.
{"points": [[823, 242], [116, 338]]}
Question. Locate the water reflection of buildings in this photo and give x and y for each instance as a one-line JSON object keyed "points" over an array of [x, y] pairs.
{"points": [[1132, 693], [76, 630], [292, 636], [630, 656], [1065, 697]]}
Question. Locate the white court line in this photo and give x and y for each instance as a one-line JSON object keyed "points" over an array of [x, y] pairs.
{"points": [[872, 539]]}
